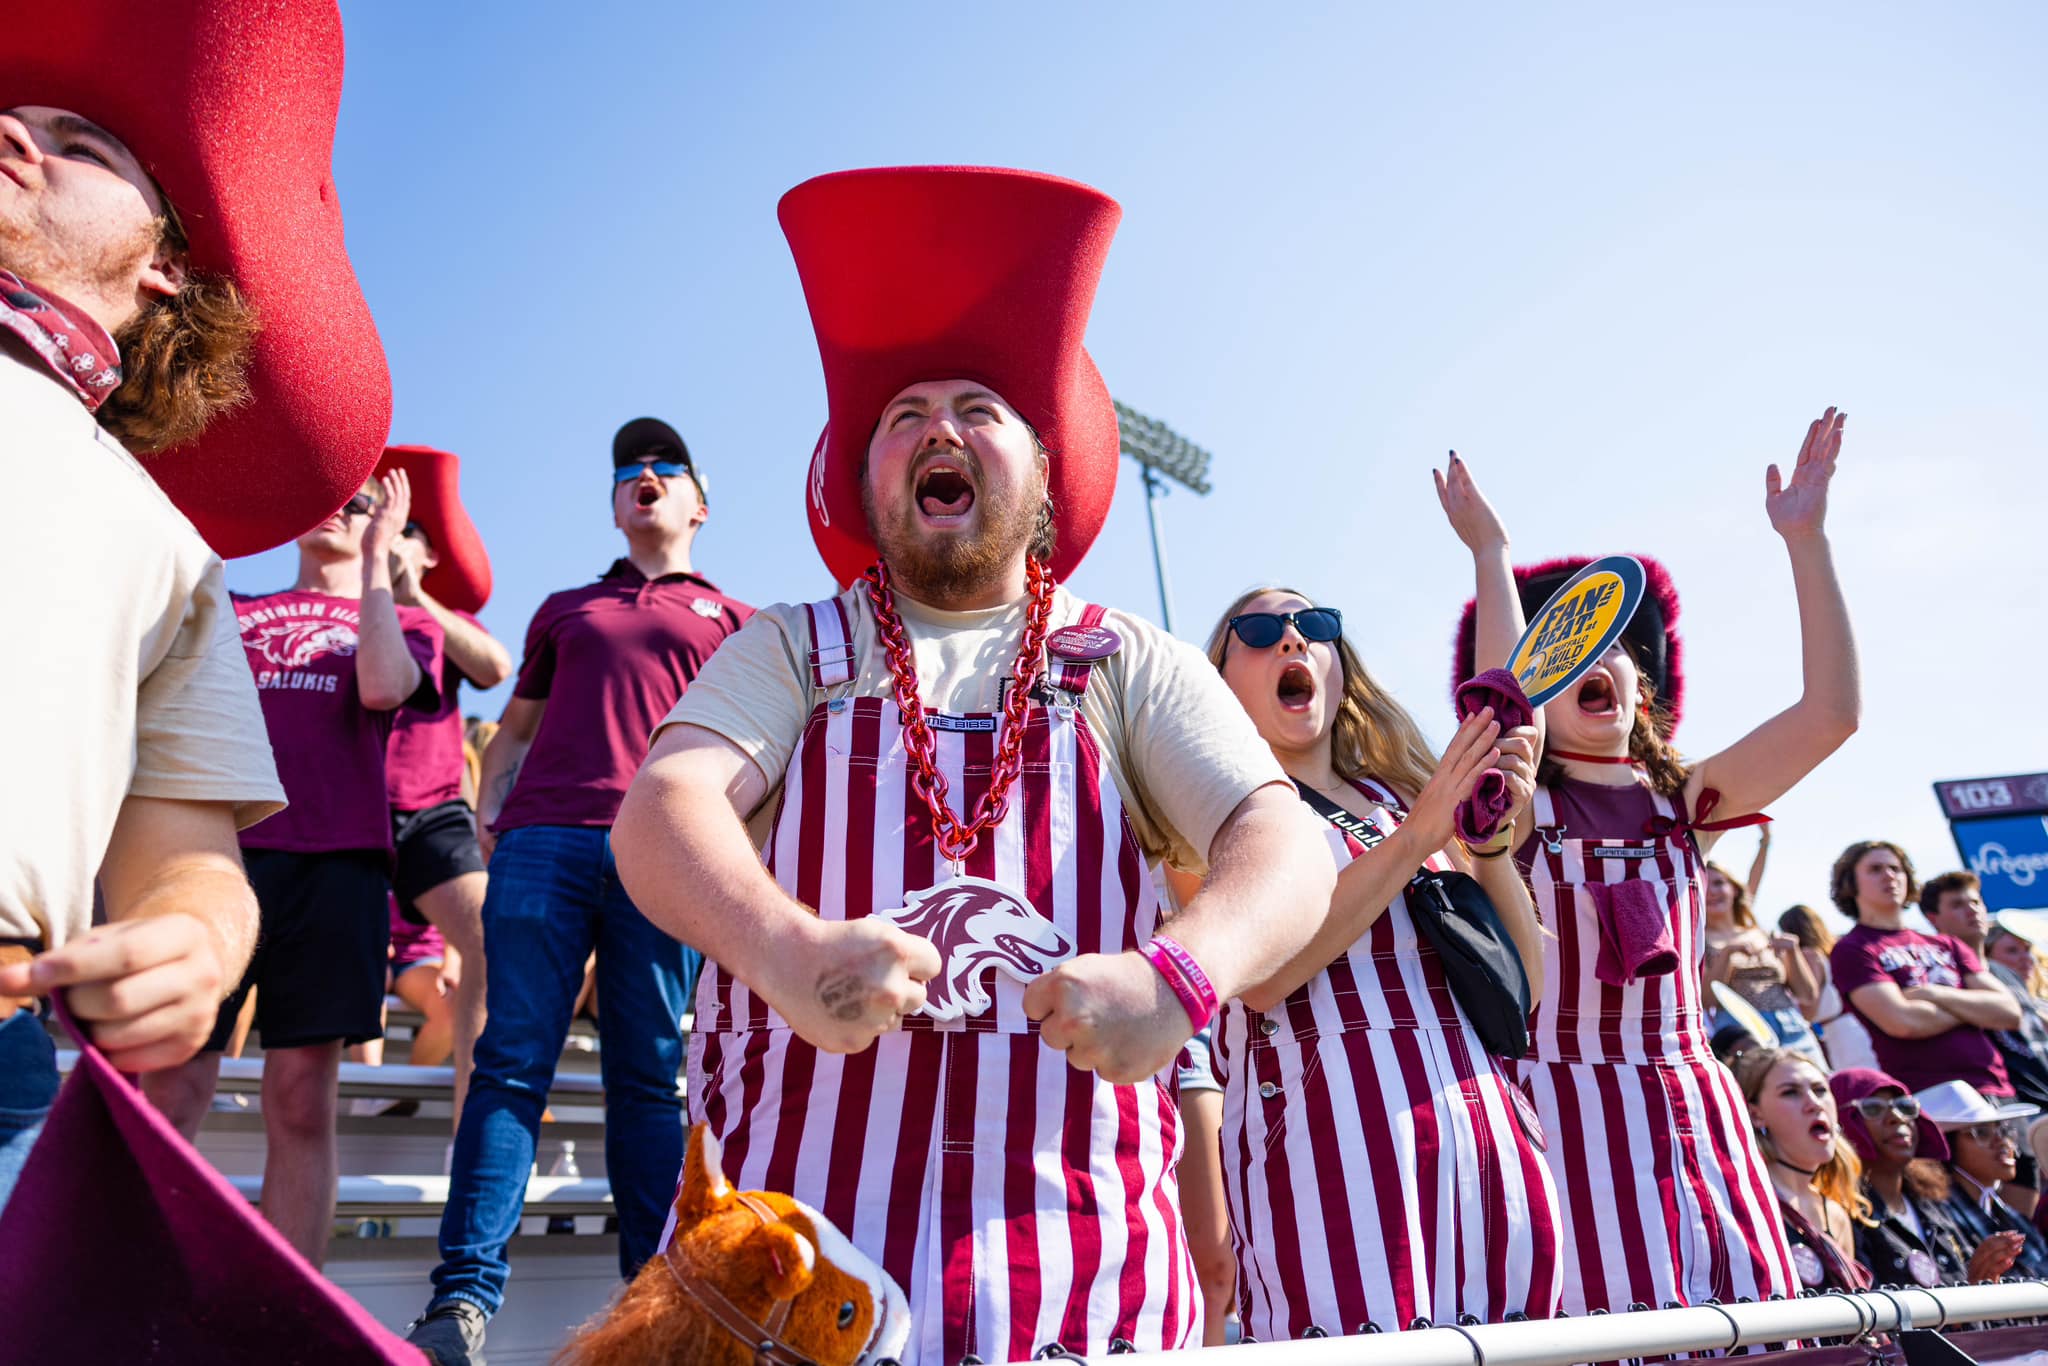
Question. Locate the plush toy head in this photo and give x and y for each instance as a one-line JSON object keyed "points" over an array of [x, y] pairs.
{"points": [[743, 1268]]}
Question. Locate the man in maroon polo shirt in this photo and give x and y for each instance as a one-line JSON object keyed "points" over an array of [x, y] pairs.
{"points": [[334, 656], [604, 663]]}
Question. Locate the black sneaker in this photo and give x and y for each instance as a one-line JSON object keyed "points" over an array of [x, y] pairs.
{"points": [[451, 1333]]}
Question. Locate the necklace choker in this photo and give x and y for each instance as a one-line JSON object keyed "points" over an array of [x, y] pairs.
{"points": [[1590, 758]]}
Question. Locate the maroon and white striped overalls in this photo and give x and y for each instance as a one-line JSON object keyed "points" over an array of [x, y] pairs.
{"points": [[1375, 1165], [1016, 1200], [1664, 1195]]}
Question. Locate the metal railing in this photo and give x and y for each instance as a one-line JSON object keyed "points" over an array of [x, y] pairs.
{"points": [[1654, 1332]]}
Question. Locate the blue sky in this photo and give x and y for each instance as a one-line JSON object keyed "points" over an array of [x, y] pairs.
{"points": [[1618, 259]]}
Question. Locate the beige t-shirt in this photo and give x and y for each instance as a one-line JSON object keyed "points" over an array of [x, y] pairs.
{"points": [[124, 671], [1180, 747]]}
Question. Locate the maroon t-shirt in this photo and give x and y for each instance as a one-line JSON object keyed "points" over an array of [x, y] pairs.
{"points": [[1911, 959], [329, 746], [423, 764], [610, 659]]}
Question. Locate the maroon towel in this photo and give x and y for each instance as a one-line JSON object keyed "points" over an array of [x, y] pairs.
{"points": [[122, 1244], [1479, 815], [1635, 932]]}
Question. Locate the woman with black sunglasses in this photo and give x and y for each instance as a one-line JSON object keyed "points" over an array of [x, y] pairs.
{"points": [[1666, 1198], [1378, 1162]]}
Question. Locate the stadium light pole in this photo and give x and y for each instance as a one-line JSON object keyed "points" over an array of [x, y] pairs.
{"points": [[1162, 454]]}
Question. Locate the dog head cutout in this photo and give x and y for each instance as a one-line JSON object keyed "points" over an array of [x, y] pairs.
{"points": [[748, 1278], [978, 927]]}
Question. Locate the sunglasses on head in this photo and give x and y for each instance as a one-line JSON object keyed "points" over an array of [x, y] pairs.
{"points": [[362, 505], [1262, 630], [1874, 1108], [667, 469]]}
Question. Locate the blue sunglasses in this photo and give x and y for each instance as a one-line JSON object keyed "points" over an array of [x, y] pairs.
{"points": [[667, 469]]}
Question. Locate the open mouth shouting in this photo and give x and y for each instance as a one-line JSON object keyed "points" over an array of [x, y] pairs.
{"points": [[1821, 1131], [648, 494], [1597, 698], [944, 492], [1296, 690]]}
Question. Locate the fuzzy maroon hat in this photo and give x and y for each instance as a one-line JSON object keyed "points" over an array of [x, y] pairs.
{"points": [[1652, 636], [954, 272], [462, 578], [230, 105]]}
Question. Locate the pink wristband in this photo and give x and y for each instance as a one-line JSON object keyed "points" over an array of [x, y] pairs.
{"points": [[1197, 994]]}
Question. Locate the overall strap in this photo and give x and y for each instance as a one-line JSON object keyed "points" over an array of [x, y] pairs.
{"points": [[831, 643], [1070, 676]]}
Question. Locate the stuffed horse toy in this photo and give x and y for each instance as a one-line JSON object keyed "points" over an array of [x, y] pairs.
{"points": [[749, 1278]]}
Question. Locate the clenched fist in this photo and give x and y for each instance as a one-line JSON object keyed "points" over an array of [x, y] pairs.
{"points": [[854, 981], [1112, 1014]]}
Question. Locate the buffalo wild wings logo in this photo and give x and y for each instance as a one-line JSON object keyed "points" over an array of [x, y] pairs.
{"points": [[977, 926], [295, 644]]}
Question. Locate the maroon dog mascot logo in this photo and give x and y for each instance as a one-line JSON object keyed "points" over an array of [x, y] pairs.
{"points": [[978, 926]]}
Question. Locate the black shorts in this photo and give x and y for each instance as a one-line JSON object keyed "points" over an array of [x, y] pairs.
{"points": [[433, 845], [321, 953]]}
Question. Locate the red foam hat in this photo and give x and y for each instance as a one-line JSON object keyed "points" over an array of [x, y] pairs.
{"points": [[954, 272], [231, 104], [462, 577], [1651, 636]]}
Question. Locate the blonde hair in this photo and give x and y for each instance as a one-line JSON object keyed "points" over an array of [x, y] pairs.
{"points": [[1840, 1178], [2037, 961], [1373, 736], [1738, 909]]}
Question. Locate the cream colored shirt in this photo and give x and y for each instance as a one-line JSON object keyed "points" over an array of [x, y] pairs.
{"points": [[124, 672], [1179, 746]]}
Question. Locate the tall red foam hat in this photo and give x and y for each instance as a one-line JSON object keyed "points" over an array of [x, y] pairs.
{"points": [[462, 577], [954, 272], [1652, 635], [231, 104]]}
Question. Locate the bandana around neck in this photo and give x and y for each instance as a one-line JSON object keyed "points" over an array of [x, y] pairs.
{"points": [[75, 347]]}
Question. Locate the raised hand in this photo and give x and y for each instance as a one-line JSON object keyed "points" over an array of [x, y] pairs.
{"points": [[1799, 506], [1470, 753], [388, 519], [1470, 515], [1517, 764]]}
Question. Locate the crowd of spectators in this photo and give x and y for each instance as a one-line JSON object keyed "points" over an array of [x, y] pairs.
{"points": [[1907, 1149]]}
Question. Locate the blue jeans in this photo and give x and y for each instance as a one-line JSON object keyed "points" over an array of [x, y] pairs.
{"points": [[28, 1087], [554, 894]]}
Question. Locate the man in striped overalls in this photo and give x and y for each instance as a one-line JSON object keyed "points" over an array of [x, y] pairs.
{"points": [[944, 1013]]}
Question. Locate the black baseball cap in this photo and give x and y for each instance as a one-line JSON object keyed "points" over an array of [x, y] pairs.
{"points": [[645, 436]]}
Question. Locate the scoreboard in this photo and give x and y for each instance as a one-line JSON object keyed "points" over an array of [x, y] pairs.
{"points": [[2001, 830]]}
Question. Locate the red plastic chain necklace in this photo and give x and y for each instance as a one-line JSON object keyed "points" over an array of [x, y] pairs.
{"points": [[955, 840], [1589, 758]]}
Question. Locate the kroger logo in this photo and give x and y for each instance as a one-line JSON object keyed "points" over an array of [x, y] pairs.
{"points": [[1992, 861]]}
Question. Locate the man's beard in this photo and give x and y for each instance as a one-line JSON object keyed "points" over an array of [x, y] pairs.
{"points": [[107, 270], [945, 567]]}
